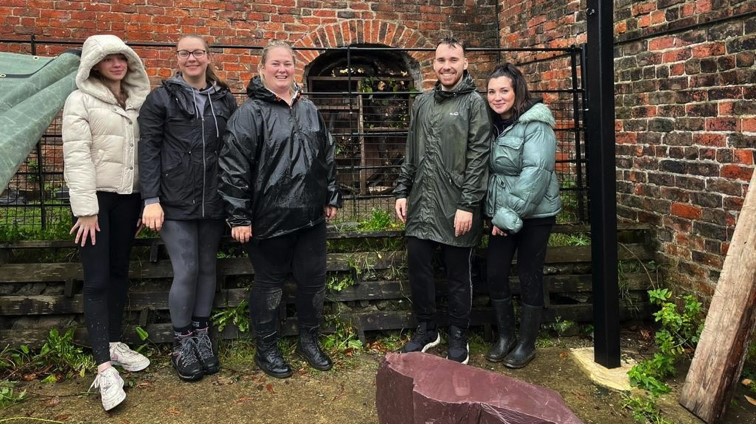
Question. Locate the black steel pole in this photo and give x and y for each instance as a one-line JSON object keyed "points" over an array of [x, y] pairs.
{"points": [[602, 181]]}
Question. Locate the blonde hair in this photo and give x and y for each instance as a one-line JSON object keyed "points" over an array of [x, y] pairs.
{"points": [[210, 75], [264, 56]]}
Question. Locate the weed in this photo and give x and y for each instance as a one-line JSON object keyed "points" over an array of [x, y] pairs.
{"points": [[8, 395], [338, 283], [644, 409], [677, 337], [60, 352], [563, 327], [238, 316], [344, 337]]}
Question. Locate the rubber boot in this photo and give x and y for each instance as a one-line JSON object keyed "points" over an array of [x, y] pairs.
{"points": [[269, 358], [505, 324], [309, 348], [524, 351]]}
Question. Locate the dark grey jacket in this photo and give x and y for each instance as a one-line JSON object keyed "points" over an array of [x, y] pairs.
{"points": [[446, 163], [278, 170]]}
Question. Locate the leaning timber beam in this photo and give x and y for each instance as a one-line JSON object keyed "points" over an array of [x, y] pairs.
{"points": [[729, 324]]}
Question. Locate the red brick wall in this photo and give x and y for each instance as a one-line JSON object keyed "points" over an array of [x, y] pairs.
{"points": [[686, 116], [686, 126], [303, 23]]}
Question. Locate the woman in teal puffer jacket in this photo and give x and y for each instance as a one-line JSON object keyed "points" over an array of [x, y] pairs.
{"points": [[522, 202]]}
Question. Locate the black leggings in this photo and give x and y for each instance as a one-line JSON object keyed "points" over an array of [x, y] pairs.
{"points": [[106, 270], [530, 243], [301, 253], [193, 248]]}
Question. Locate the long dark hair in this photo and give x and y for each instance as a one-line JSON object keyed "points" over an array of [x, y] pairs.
{"points": [[210, 71], [520, 86]]}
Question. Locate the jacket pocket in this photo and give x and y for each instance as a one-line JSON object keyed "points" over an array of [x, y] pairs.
{"points": [[175, 185], [506, 157]]}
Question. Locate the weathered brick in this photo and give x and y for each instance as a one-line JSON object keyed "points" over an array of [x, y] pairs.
{"points": [[710, 231], [662, 179], [671, 166], [708, 259], [707, 200], [690, 183], [735, 171]]}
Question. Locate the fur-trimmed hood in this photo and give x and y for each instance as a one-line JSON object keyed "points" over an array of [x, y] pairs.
{"points": [[136, 83]]}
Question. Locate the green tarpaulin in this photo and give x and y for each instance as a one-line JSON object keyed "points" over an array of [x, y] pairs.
{"points": [[32, 90]]}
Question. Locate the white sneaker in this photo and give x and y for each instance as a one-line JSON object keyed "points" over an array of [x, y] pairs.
{"points": [[110, 384], [122, 355]]}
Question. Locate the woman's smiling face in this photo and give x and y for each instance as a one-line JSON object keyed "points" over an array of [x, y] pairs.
{"points": [[501, 95]]}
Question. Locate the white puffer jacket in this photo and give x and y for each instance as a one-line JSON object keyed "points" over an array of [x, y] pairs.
{"points": [[99, 136]]}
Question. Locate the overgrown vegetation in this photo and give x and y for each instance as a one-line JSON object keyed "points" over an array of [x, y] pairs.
{"points": [[679, 330], [58, 357]]}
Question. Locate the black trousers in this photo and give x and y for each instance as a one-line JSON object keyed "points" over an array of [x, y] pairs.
{"points": [[458, 264], [301, 253], [106, 270], [530, 244]]}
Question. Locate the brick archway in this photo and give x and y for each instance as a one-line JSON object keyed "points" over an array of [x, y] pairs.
{"points": [[352, 31]]}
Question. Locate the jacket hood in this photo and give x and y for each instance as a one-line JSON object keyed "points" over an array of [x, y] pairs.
{"points": [[136, 82], [465, 85], [257, 90], [187, 96], [538, 112]]}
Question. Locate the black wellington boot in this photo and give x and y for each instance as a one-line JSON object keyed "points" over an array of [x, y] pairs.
{"points": [[309, 348], [269, 358], [505, 323], [524, 351]]}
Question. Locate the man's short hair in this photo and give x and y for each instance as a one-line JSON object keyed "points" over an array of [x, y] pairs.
{"points": [[450, 41]]}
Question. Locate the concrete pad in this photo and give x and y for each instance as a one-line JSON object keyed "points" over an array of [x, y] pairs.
{"points": [[616, 378]]}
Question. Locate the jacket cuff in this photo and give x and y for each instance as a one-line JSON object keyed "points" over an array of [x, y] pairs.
{"points": [[238, 222], [150, 201], [506, 219]]}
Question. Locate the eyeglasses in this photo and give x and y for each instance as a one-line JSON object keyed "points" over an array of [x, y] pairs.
{"points": [[184, 54]]}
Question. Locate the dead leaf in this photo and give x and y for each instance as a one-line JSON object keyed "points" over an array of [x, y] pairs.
{"points": [[173, 411], [53, 402], [747, 382], [750, 400], [29, 377], [144, 384], [269, 387], [62, 418], [243, 399]]}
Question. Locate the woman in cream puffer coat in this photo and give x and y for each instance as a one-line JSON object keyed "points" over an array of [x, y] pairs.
{"points": [[100, 136]]}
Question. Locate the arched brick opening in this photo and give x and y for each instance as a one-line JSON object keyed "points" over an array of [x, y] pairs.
{"points": [[369, 32]]}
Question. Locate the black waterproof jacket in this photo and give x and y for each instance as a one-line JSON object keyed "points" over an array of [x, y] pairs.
{"points": [[179, 146], [277, 164]]}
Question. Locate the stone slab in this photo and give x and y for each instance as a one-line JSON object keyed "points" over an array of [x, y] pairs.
{"points": [[423, 388], [615, 378]]}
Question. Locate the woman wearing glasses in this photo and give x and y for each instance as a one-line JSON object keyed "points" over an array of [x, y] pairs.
{"points": [[181, 125]]}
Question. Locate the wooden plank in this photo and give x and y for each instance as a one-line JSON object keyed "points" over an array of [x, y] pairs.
{"points": [[16, 305], [378, 260], [729, 325], [364, 321]]}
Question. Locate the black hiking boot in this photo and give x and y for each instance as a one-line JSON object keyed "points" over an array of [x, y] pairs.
{"points": [[184, 358], [205, 354], [269, 358]]}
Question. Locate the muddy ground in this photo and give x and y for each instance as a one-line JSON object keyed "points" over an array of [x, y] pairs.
{"points": [[240, 393]]}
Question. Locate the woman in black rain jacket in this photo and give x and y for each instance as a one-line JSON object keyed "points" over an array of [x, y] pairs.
{"points": [[278, 180]]}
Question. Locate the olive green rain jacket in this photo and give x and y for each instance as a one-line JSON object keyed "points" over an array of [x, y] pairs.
{"points": [[446, 163]]}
